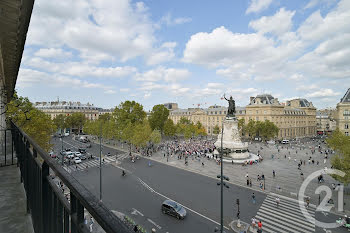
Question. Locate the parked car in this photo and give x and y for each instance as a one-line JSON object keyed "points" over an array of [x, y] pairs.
{"points": [[174, 209], [77, 160]]}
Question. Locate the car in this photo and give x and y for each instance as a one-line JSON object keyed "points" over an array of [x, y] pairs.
{"points": [[68, 149], [174, 209], [69, 154], [88, 145], [82, 150], [53, 155], [77, 154], [77, 160], [62, 152], [83, 157]]}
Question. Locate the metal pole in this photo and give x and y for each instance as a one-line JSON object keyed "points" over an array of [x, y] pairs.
{"points": [[222, 182], [62, 150], [101, 161]]}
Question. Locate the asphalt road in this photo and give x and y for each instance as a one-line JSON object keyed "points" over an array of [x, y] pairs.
{"points": [[141, 192]]}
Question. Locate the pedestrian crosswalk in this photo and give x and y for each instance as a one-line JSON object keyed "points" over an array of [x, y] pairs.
{"points": [[89, 163], [287, 217]]}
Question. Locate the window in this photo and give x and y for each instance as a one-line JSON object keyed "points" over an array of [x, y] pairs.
{"points": [[216, 112], [265, 112], [220, 112], [346, 133], [346, 126], [257, 111]]}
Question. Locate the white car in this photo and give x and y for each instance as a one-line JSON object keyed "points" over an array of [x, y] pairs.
{"points": [[77, 154], [77, 160], [69, 154]]}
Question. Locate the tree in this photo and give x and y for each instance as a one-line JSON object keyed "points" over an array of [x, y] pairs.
{"points": [[269, 130], [129, 112], [76, 121], [251, 129], [216, 129], [32, 121], [158, 117], [60, 122], [169, 128], [199, 129], [185, 121], [141, 134], [156, 136], [241, 126], [341, 161]]}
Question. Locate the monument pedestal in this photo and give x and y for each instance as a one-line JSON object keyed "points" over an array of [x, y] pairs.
{"points": [[232, 145]]}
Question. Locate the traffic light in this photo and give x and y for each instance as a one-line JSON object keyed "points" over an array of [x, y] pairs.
{"points": [[238, 214]]}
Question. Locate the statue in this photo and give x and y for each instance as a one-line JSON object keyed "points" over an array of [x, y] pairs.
{"points": [[231, 107]]}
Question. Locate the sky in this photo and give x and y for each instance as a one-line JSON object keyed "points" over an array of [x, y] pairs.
{"points": [[188, 52]]}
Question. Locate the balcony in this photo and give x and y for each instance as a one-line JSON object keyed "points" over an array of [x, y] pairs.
{"points": [[43, 207]]}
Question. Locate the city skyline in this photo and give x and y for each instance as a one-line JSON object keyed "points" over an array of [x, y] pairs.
{"points": [[151, 52]]}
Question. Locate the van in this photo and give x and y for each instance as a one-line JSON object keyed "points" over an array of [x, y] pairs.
{"points": [[285, 141]]}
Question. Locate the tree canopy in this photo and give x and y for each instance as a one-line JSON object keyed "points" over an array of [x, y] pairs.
{"points": [[34, 122], [341, 161], [158, 117], [169, 128], [76, 120]]}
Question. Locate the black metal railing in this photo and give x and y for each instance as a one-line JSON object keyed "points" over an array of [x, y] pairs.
{"points": [[50, 210], [6, 148]]}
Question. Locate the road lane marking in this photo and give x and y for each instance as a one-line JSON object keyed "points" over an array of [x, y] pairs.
{"points": [[136, 212], [155, 224], [203, 216]]}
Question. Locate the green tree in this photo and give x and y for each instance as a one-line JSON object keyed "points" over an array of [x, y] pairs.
{"points": [[169, 128], [158, 117], [241, 126], [216, 129], [269, 130], [60, 122], [32, 121], [341, 161], [156, 137], [185, 121], [199, 129], [141, 134], [129, 112], [251, 129], [76, 121]]}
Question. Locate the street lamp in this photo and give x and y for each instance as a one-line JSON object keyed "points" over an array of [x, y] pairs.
{"points": [[222, 183], [62, 154], [101, 161]]}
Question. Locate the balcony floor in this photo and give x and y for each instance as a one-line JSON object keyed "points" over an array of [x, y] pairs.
{"points": [[13, 216]]}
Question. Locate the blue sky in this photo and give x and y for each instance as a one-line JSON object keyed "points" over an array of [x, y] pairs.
{"points": [[189, 52]]}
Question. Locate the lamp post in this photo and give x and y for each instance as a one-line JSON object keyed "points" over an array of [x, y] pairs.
{"points": [[101, 161], [222, 183]]}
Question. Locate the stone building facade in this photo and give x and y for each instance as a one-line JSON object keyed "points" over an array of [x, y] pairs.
{"points": [[342, 115], [56, 108], [325, 121], [295, 119]]}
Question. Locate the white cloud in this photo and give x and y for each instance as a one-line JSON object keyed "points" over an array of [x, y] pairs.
{"points": [[163, 74], [124, 89], [258, 5], [170, 21], [79, 69], [307, 87], [325, 92], [319, 48], [53, 53], [313, 3], [29, 77], [277, 24], [162, 54], [99, 30]]}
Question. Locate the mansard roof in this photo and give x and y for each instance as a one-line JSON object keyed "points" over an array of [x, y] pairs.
{"points": [[346, 98]]}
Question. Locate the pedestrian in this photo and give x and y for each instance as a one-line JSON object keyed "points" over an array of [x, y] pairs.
{"points": [[273, 173], [153, 230], [202, 164], [136, 228], [260, 225], [250, 182], [253, 223], [91, 227], [253, 198]]}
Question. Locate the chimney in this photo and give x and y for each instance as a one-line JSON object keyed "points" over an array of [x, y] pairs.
{"points": [[251, 98]]}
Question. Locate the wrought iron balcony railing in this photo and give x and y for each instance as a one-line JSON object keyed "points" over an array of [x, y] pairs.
{"points": [[50, 210]]}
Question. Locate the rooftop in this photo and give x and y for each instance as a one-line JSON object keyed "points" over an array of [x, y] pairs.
{"points": [[346, 97]]}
